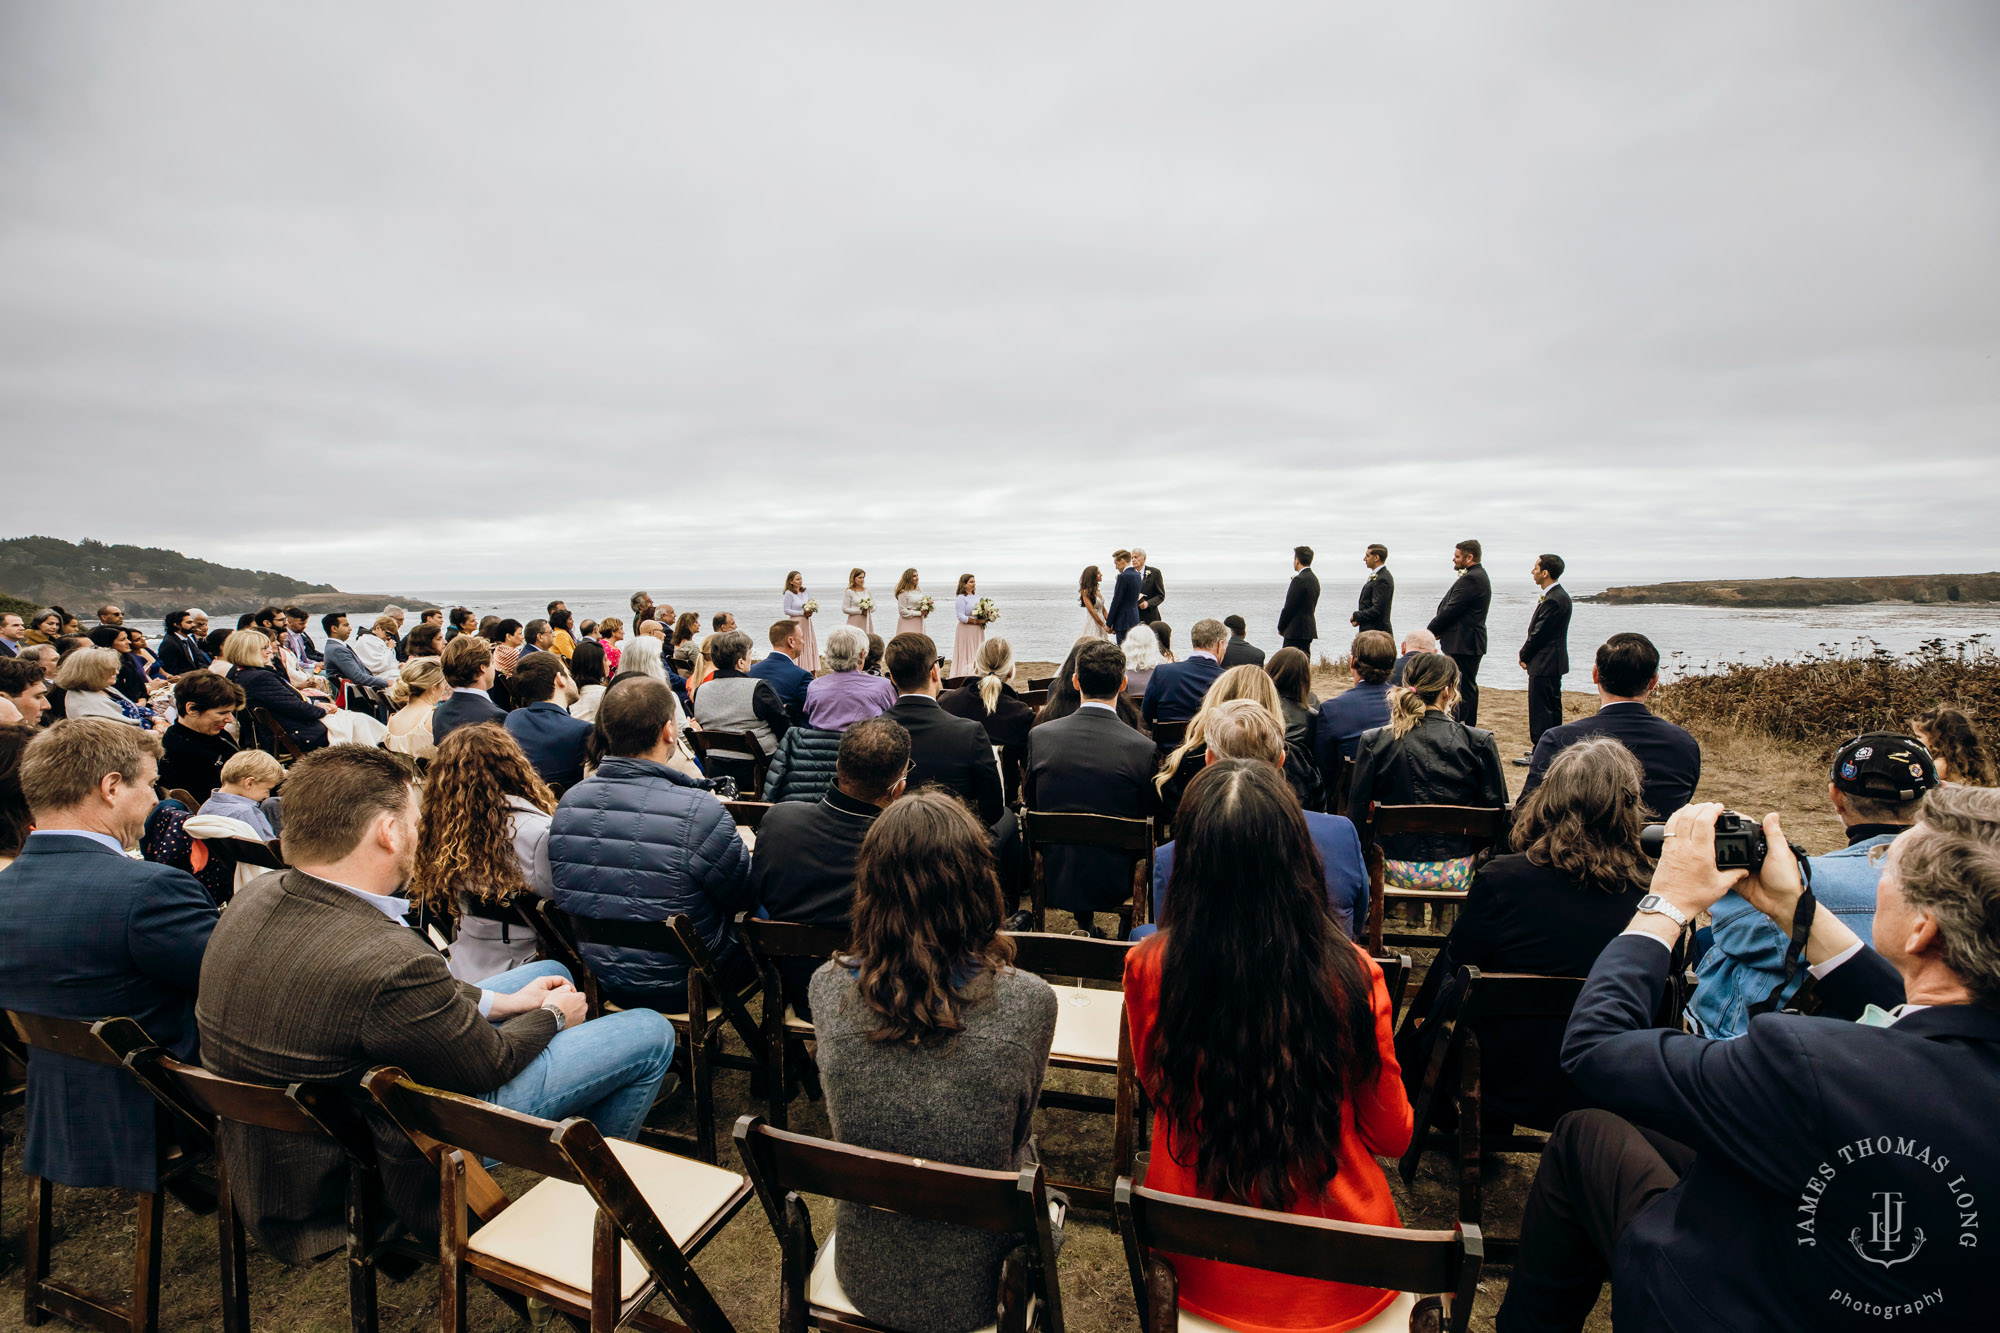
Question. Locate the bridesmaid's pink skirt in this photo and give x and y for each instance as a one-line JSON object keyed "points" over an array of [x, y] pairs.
{"points": [[808, 643], [965, 649]]}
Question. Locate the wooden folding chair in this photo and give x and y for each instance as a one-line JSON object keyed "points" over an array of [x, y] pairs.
{"points": [[185, 797], [267, 735], [748, 817], [959, 682], [1040, 682], [1169, 736], [733, 754], [1041, 830], [610, 1226], [1396, 969], [1484, 826], [1440, 1269], [1091, 1035], [772, 944], [1035, 698], [99, 1043], [786, 1167], [315, 1110], [1444, 1070]]}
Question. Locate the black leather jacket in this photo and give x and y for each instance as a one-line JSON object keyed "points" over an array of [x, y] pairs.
{"points": [[1440, 761]]}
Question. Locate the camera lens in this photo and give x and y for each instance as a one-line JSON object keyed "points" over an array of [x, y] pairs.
{"points": [[1653, 840]]}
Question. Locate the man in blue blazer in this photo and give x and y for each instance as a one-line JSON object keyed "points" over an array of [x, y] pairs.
{"points": [[1123, 613], [1821, 1173], [553, 740], [88, 933], [1627, 670], [1361, 707], [1175, 692], [468, 668], [781, 667]]}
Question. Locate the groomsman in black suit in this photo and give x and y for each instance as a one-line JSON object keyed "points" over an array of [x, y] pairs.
{"points": [[1123, 613], [1460, 624], [1377, 593], [1152, 588], [1296, 623], [1545, 655]]}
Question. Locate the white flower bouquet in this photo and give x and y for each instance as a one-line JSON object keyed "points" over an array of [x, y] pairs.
{"points": [[926, 605], [811, 605], [986, 611], [867, 604]]}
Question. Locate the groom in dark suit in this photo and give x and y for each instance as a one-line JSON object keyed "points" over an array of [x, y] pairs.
{"points": [[1378, 593], [1460, 625], [1545, 655], [1124, 611], [1152, 588], [1296, 623]]}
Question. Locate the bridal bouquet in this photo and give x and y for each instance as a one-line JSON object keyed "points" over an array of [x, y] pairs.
{"points": [[867, 604], [926, 605], [811, 605], [986, 611]]}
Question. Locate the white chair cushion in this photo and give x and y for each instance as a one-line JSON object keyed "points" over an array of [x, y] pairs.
{"points": [[1395, 1318], [823, 1288], [548, 1230], [1087, 1023]]}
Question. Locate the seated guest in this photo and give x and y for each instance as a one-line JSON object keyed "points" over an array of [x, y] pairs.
{"points": [[88, 933], [248, 780], [1241, 729], [610, 634], [1186, 760], [483, 843], [1142, 658], [845, 694], [1063, 698], [1425, 756], [553, 740], [990, 700], [376, 647], [803, 868], [1960, 755], [1175, 692], [332, 928], [1238, 650], [86, 679], [1790, 1165], [24, 690], [562, 637], [131, 678], [506, 635], [180, 649], [249, 654], [418, 690], [1362, 706], [468, 668], [1090, 763], [586, 668], [1877, 786], [877, 648], [1298, 705], [424, 641], [952, 752], [1572, 883], [14, 817], [197, 745], [802, 769], [637, 842], [537, 637], [45, 626], [1627, 670], [149, 665], [341, 662], [1416, 642], [1247, 919], [781, 668], [12, 631], [297, 642], [1164, 634], [732, 700], [930, 1044]]}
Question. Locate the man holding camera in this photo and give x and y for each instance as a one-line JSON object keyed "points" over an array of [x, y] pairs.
{"points": [[1819, 1172]]}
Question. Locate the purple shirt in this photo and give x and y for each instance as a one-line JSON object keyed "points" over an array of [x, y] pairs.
{"points": [[836, 701]]}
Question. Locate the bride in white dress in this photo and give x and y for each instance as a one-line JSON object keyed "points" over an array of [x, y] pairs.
{"points": [[1095, 626]]}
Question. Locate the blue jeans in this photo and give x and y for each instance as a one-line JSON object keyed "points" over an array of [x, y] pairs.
{"points": [[608, 1070]]}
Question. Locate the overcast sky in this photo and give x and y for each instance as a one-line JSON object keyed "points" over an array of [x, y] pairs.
{"points": [[531, 295]]}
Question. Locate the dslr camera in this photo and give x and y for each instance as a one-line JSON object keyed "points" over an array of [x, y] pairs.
{"points": [[1739, 842]]}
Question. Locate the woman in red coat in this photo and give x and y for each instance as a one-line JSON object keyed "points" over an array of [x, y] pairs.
{"points": [[1264, 1036]]}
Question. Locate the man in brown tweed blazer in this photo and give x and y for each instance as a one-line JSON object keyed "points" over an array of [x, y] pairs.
{"points": [[313, 974]]}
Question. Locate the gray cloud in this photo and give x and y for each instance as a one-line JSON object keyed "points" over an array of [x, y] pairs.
{"points": [[498, 295]]}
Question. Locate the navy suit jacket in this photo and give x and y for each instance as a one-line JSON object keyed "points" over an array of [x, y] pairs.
{"points": [[1124, 611], [464, 710], [1339, 851], [1670, 756], [1343, 719], [9, 649], [1460, 622], [1801, 1126], [1546, 649], [89, 933], [552, 739], [788, 678], [1175, 692]]}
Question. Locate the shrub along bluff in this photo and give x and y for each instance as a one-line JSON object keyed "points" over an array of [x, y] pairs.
{"points": [[150, 581]]}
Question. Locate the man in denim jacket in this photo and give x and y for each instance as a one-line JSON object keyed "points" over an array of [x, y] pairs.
{"points": [[1877, 786]]}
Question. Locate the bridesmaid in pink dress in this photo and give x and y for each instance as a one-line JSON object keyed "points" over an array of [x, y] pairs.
{"points": [[796, 598], [971, 629], [908, 620], [850, 601]]}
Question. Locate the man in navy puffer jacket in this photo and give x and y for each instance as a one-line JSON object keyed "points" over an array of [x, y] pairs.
{"points": [[636, 843]]}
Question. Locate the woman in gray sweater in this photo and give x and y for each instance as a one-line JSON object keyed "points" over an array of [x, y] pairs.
{"points": [[932, 1045]]}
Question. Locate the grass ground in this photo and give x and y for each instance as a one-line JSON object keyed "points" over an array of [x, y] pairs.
{"points": [[94, 1229]]}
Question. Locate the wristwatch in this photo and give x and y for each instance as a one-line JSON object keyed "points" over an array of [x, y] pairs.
{"points": [[556, 1008], [1653, 902]]}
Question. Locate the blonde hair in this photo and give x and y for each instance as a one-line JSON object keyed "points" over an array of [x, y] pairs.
{"points": [[389, 623], [89, 669], [253, 766], [419, 676], [1429, 681], [1239, 682], [995, 664], [1245, 729], [246, 647], [609, 626], [854, 576], [908, 582]]}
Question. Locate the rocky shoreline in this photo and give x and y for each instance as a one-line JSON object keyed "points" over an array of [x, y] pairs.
{"points": [[1914, 589]]}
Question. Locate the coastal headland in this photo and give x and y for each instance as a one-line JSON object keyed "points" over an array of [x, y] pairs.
{"points": [[1916, 589]]}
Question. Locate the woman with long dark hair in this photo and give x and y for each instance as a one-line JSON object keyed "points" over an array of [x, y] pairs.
{"points": [[131, 680], [1961, 757], [483, 842], [1263, 1035], [1091, 599], [930, 1044], [1298, 707]]}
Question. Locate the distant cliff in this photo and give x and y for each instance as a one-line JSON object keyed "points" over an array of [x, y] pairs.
{"points": [[1917, 588], [150, 581]]}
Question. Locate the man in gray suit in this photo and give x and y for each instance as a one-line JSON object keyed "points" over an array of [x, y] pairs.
{"points": [[314, 974]]}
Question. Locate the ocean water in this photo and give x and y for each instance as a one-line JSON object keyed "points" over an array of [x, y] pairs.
{"points": [[1042, 620]]}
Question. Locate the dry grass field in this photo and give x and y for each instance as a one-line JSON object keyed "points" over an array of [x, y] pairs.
{"points": [[94, 1229]]}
